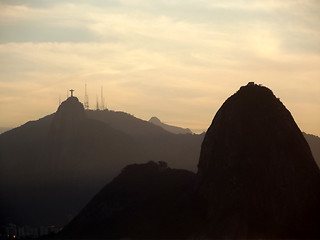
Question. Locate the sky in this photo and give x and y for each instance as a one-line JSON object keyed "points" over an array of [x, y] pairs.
{"points": [[178, 60]]}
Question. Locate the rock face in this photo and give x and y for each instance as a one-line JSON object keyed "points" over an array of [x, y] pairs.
{"points": [[256, 172]]}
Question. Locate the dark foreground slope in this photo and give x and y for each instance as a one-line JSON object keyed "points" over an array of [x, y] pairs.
{"points": [[142, 202], [256, 171], [256, 179]]}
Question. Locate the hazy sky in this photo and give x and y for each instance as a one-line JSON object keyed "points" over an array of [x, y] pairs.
{"points": [[178, 60]]}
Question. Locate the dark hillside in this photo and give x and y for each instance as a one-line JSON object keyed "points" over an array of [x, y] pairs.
{"points": [[50, 168], [136, 205], [256, 171]]}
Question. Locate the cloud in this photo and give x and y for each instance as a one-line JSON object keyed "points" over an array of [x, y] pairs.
{"points": [[254, 5], [178, 60]]}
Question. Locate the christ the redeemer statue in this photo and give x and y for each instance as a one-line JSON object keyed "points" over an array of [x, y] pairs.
{"points": [[71, 90]]}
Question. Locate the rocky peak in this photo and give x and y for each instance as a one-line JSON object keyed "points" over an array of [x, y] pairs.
{"points": [[256, 171], [68, 118], [71, 108], [155, 120], [173, 129]]}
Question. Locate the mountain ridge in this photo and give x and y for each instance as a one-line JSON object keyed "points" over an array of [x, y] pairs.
{"points": [[28, 155], [69, 155], [65, 156], [170, 128]]}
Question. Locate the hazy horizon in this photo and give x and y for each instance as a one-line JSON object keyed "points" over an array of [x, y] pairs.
{"points": [[177, 60]]}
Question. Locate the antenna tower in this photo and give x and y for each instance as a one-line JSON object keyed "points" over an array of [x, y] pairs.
{"points": [[97, 105], [86, 98], [102, 99]]}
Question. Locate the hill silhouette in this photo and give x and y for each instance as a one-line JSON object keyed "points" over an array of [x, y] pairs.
{"points": [[170, 128], [135, 204], [50, 168], [314, 143], [178, 150], [256, 179]]}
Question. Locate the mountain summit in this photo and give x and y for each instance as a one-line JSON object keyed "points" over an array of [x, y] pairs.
{"points": [[71, 108], [256, 171], [69, 116], [173, 129]]}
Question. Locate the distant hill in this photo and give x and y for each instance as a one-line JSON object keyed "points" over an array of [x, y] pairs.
{"points": [[50, 168], [170, 128], [314, 143], [179, 150], [127, 123]]}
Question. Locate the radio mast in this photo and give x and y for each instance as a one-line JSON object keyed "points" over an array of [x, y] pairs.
{"points": [[86, 98], [97, 105], [102, 99]]}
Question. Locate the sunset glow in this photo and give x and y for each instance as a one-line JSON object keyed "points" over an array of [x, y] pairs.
{"points": [[177, 60]]}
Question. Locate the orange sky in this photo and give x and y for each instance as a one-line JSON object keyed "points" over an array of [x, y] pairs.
{"points": [[174, 59]]}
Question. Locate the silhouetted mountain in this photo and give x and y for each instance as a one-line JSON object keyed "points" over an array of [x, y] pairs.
{"points": [[51, 167], [127, 123], [21, 150], [135, 204], [179, 150], [83, 144], [4, 129], [256, 179], [314, 143], [256, 172], [169, 128]]}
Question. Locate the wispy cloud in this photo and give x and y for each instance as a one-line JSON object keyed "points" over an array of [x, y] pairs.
{"points": [[175, 59]]}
